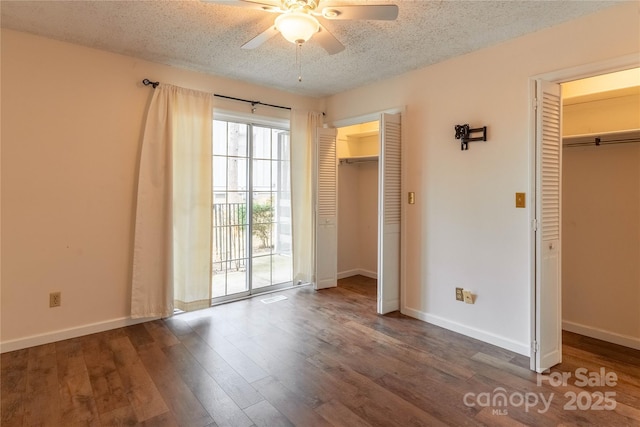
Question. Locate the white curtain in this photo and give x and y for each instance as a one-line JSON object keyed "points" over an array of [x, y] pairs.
{"points": [[172, 246], [303, 128]]}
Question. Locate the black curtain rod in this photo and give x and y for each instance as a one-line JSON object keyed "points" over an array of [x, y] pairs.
{"points": [[148, 82], [253, 103]]}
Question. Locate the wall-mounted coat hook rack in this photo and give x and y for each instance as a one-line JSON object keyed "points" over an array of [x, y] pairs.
{"points": [[463, 133]]}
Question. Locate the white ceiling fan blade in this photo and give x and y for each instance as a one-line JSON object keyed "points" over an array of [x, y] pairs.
{"points": [[328, 41], [266, 5], [260, 38], [385, 12]]}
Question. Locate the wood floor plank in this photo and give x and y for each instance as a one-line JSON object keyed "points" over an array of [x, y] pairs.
{"points": [[138, 386], [288, 403], [42, 398], [13, 385], [299, 376], [161, 334], [183, 404], [77, 403], [138, 335], [119, 417], [13, 371], [12, 409], [263, 414], [242, 393], [381, 403], [428, 395], [178, 326], [243, 365], [339, 415], [214, 399], [108, 389]]}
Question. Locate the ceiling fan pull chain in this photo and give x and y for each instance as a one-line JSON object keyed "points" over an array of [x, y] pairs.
{"points": [[299, 60]]}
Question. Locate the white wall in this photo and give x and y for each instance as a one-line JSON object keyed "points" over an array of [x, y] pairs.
{"points": [[464, 229], [72, 119], [601, 224]]}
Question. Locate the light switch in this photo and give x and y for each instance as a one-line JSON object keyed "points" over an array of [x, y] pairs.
{"points": [[520, 200]]}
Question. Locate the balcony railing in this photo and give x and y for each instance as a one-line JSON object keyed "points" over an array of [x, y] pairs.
{"points": [[229, 236]]}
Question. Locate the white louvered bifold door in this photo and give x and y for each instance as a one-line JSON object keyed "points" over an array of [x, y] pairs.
{"points": [[326, 209], [548, 186], [390, 207]]}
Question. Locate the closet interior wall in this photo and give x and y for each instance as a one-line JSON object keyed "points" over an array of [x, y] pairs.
{"points": [[601, 221]]}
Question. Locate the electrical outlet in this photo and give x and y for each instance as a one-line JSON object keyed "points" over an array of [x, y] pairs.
{"points": [[459, 296], [55, 299], [468, 296]]}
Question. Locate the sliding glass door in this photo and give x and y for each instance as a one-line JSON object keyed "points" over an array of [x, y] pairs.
{"points": [[251, 230]]}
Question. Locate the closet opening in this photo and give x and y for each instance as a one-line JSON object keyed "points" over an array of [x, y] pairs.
{"points": [[357, 149], [601, 207], [359, 209]]}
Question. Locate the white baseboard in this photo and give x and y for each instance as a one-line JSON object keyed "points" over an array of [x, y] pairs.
{"points": [[64, 334], [488, 337], [357, 271], [601, 334]]}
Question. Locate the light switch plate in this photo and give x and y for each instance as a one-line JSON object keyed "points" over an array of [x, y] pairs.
{"points": [[412, 198], [520, 200]]}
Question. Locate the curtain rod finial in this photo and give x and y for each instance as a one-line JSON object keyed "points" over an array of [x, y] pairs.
{"points": [[148, 82]]}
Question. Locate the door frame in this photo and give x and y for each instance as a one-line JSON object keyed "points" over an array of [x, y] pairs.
{"points": [[375, 116], [559, 77]]}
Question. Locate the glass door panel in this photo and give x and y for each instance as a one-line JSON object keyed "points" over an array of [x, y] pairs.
{"points": [[252, 209], [230, 228]]}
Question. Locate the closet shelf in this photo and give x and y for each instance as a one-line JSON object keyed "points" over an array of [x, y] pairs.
{"points": [[358, 159], [603, 138]]}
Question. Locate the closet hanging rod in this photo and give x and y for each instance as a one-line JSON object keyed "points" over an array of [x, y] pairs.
{"points": [[598, 142], [352, 160], [148, 82]]}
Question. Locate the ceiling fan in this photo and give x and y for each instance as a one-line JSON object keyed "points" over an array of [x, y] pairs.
{"points": [[298, 19]]}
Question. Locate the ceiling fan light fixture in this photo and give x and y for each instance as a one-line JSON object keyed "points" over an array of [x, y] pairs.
{"points": [[297, 27]]}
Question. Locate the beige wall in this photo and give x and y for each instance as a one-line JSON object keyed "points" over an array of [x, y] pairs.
{"points": [[464, 229], [603, 115], [601, 224], [72, 119], [348, 211]]}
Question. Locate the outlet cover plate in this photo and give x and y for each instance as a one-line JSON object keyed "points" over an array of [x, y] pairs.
{"points": [[55, 299], [468, 296], [459, 296]]}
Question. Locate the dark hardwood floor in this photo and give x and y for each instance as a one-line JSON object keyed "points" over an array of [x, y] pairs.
{"points": [[314, 359]]}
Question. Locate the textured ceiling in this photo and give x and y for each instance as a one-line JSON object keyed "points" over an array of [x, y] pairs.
{"points": [[207, 37]]}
